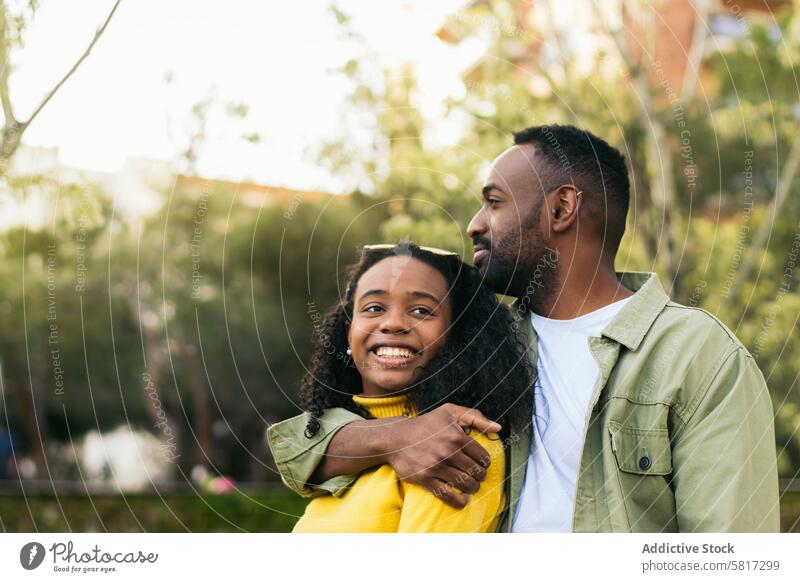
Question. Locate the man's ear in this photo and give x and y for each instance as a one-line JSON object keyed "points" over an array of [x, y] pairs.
{"points": [[565, 202]]}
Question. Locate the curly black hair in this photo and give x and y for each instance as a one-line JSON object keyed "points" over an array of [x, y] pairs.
{"points": [[484, 363]]}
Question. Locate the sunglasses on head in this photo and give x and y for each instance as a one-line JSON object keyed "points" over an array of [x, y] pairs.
{"points": [[433, 250]]}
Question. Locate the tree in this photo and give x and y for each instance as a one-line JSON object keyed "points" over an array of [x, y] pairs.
{"points": [[12, 29]]}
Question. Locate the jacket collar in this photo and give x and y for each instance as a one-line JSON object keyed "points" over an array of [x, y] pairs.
{"points": [[633, 321], [637, 317]]}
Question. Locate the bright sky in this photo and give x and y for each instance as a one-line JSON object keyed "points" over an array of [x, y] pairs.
{"points": [[277, 57]]}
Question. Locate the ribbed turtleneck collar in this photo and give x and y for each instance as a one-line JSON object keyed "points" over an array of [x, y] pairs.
{"points": [[383, 406]]}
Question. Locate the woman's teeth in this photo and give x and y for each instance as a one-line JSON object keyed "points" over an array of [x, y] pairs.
{"points": [[385, 352]]}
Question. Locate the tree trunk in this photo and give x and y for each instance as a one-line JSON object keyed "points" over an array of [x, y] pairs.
{"points": [[30, 425]]}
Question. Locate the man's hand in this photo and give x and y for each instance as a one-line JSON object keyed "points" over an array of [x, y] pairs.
{"points": [[433, 451]]}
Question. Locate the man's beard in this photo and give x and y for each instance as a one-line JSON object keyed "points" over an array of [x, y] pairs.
{"points": [[522, 265]]}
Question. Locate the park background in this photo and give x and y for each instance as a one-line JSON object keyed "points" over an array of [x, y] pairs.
{"points": [[182, 186]]}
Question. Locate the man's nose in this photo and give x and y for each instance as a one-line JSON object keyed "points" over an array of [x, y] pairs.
{"points": [[477, 225]]}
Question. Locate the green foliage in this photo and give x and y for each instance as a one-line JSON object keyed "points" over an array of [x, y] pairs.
{"points": [[266, 512], [211, 296], [273, 511]]}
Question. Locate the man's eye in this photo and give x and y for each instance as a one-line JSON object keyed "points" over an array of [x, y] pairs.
{"points": [[493, 202]]}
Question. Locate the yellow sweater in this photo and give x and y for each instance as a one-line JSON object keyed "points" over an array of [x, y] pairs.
{"points": [[379, 501]]}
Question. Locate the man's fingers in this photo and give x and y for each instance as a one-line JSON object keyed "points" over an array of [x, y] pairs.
{"points": [[476, 452], [464, 481], [447, 473], [472, 417], [466, 464], [449, 495]]}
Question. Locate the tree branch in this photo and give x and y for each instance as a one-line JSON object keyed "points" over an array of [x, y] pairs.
{"points": [[74, 68], [691, 76], [5, 65], [659, 164], [761, 239], [618, 36]]}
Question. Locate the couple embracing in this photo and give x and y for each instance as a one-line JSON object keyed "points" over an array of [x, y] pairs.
{"points": [[592, 403]]}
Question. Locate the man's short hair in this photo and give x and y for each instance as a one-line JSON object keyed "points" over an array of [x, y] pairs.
{"points": [[576, 156]]}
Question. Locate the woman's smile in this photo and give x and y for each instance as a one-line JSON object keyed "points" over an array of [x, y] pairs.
{"points": [[393, 355]]}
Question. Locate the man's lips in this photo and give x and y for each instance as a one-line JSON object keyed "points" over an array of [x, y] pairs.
{"points": [[481, 253]]}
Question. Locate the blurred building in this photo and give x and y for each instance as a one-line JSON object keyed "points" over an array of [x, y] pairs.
{"points": [[683, 26], [138, 188], [248, 193], [135, 187], [534, 34]]}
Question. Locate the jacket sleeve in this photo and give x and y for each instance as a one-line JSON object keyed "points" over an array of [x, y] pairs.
{"points": [[725, 475], [423, 512], [297, 456]]}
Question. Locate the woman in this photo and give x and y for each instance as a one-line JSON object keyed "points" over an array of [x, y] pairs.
{"points": [[416, 329]]}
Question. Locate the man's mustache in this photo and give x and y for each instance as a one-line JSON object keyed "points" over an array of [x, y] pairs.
{"points": [[481, 241]]}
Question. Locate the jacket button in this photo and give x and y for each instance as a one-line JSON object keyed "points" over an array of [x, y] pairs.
{"points": [[645, 462]]}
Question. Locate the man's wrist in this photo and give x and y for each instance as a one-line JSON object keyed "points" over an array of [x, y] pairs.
{"points": [[382, 440]]}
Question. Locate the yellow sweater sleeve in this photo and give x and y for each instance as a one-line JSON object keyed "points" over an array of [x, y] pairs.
{"points": [[424, 512]]}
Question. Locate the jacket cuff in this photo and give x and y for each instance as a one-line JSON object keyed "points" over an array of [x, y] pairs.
{"points": [[297, 456]]}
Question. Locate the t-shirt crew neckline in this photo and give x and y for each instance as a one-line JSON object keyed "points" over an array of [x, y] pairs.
{"points": [[585, 321]]}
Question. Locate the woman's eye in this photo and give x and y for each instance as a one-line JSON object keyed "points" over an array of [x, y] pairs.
{"points": [[421, 311], [373, 308]]}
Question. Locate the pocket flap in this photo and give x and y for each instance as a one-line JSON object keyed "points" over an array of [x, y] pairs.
{"points": [[641, 451]]}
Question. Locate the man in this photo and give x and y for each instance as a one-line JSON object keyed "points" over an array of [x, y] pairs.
{"points": [[650, 416]]}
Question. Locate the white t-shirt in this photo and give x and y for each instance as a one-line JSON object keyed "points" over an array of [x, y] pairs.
{"points": [[567, 374]]}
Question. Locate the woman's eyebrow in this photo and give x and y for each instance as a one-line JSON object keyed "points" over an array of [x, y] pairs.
{"points": [[426, 295], [372, 292]]}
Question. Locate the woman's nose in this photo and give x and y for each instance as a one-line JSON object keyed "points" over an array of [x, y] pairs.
{"points": [[394, 322]]}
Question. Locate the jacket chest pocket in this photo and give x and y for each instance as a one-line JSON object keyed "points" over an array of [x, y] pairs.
{"points": [[644, 462], [641, 451]]}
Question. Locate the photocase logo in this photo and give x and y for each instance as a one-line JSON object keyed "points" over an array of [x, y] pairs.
{"points": [[31, 555]]}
